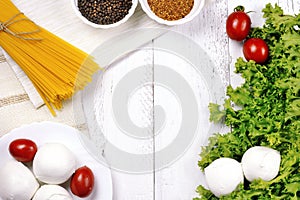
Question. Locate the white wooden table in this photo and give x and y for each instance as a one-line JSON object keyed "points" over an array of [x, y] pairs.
{"points": [[179, 179]]}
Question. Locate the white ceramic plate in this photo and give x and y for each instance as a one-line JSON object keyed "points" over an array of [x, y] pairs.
{"points": [[46, 132]]}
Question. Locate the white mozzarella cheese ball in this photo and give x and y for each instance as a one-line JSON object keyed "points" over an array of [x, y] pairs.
{"points": [[54, 163], [17, 182], [223, 176], [52, 192], [261, 163]]}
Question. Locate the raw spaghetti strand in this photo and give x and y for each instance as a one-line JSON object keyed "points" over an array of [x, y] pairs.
{"points": [[56, 68]]}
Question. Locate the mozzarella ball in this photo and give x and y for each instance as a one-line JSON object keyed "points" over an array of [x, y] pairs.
{"points": [[54, 163], [52, 192], [261, 163], [223, 176], [17, 181]]}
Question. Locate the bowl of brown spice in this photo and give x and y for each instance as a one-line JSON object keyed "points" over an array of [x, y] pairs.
{"points": [[104, 13], [172, 12]]}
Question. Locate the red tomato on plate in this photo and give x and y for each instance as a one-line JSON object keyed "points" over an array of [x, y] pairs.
{"points": [[238, 25], [82, 182], [23, 150], [256, 49]]}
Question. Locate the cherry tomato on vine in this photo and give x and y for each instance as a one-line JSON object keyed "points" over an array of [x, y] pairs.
{"points": [[256, 49], [82, 182], [23, 150], [238, 24]]}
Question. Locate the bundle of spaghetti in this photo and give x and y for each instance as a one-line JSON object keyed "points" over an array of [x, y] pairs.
{"points": [[56, 68]]}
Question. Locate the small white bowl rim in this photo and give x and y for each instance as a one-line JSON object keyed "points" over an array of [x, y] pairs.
{"points": [[194, 12], [85, 20]]}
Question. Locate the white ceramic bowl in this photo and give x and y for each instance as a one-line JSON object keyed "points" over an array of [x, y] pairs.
{"points": [[198, 5], [85, 20]]}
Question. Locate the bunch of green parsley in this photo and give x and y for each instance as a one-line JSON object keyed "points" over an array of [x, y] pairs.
{"points": [[269, 114]]}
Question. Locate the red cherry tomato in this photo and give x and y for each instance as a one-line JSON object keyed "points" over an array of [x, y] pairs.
{"points": [[238, 24], [23, 150], [256, 49], [82, 182]]}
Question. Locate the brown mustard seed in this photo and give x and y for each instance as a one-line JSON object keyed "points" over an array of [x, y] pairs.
{"points": [[171, 9], [104, 12]]}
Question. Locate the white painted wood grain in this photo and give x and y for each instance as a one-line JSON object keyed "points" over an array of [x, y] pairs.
{"points": [[208, 30], [127, 184], [179, 180]]}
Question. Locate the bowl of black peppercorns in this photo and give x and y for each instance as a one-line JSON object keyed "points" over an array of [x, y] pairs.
{"points": [[104, 13]]}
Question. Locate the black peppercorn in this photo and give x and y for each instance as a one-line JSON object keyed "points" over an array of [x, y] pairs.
{"points": [[104, 12]]}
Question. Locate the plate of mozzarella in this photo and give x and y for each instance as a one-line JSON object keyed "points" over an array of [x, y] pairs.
{"points": [[59, 168]]}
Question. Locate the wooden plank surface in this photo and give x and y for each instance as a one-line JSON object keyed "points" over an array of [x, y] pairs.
{"points": [[179, 179]]}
